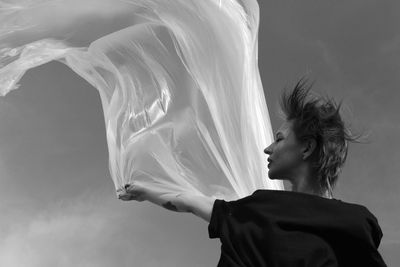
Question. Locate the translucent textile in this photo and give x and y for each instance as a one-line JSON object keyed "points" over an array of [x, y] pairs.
{"points": [[179, 83]]}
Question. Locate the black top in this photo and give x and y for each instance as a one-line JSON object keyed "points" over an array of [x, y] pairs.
{"points": [[283, 228]]}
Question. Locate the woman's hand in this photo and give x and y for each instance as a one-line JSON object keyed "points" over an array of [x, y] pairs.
{"points": [[130, 192]]}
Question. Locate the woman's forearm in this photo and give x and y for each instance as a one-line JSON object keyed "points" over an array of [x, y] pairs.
{"points": [[200, 206]]}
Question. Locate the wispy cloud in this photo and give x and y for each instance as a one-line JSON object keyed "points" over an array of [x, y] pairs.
{"points": [[77, 233]]}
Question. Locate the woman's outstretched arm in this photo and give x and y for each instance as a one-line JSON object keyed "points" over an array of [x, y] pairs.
{"points": [[199, 205]]}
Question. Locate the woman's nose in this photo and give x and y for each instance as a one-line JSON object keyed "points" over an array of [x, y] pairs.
{"points": [[268, 150]]}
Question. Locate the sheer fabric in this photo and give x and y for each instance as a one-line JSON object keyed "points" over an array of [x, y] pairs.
{"points": [[179, 83]]}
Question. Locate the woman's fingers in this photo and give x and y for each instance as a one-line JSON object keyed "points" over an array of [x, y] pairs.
{"points": [[132, 192]]}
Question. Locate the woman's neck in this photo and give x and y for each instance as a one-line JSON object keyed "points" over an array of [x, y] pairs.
{"points": [[303, 185]]}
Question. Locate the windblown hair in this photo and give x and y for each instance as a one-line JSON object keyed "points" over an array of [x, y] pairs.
{"points": [[318, 118]]}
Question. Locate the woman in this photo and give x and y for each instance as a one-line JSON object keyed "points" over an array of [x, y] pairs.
{"points": [[304, 227]]}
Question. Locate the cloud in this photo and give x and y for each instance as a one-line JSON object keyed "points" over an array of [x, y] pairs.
{"points": [[78, 233]]}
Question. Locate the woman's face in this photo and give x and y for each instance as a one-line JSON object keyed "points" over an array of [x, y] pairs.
{"points": [[285, 154]]}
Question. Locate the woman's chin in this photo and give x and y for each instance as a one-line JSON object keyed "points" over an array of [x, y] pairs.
{"points": [[271, 175], [274, 176]]}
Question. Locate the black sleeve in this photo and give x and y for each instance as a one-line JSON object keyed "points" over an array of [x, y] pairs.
{"points": [[223, 217], [227, 225], [218, 215]]}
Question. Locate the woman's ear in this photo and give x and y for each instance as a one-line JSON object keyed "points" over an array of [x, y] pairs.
{"points": [[309, 146]]}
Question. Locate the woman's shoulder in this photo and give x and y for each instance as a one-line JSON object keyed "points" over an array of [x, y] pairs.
{"points": [[318, 202], [348, 215]]}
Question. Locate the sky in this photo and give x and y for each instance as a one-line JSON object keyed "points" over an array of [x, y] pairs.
{"points": [[57, 201]]}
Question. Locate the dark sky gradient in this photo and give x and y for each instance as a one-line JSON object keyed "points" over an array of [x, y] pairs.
{"points": [[57, 199]]}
